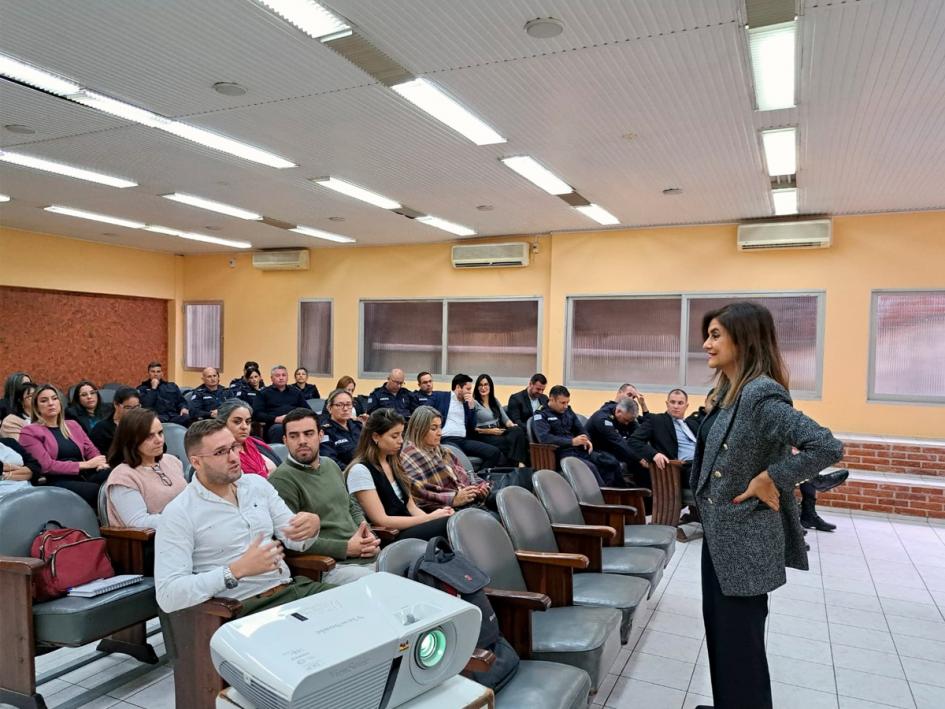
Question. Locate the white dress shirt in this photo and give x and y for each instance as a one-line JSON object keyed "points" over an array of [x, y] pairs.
{"points": [[201, 533], [455, 424]]}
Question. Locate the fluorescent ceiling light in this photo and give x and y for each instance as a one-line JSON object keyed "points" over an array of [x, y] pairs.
{"points": [[785, 201], [333, 183], [216, 141], [310, 17], [93, 216], [430, 98], [530, 169], [4, 198], [212, 206], [31, 76], [198, 237], [780, 151], [61, 169], [451, 227], [598, 214], [772, 63], [120, 109], [319, 234]]}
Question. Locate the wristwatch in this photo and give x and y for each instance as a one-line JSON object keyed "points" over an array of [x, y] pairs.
{"points": [[229, 579]]}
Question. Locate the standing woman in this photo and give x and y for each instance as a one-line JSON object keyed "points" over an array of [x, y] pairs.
{"points": [[86, 406], [743, 477]]}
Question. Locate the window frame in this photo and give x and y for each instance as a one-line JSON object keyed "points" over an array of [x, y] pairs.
{"points": [[331, 336], [444, 335], [684, 298], [871, 395], [184, 305]]}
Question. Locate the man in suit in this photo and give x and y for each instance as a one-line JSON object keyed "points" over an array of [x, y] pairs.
{"points": [[660, 438], [524, 404], [458, 420]]}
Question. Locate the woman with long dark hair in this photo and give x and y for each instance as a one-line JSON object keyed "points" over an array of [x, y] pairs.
{"points": [[10, 385], [743, 478], [379, 484], [255, 455], [493, 426], [86, 405], [21, 410]]}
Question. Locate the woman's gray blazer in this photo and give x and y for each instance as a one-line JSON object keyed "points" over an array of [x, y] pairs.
{"points": [[750, 543]]}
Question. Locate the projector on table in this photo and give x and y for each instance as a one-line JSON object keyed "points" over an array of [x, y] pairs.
{"points": [[372, 644]]}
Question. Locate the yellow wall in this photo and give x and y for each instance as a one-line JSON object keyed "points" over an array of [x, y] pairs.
{"points": [[261, 308]]}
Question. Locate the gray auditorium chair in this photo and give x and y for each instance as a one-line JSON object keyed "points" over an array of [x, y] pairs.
{"points": [[280, 450], [470, 465], [529, 528], [563, 507], [583, 637], [542, 455], [636, 533], [107, 396], [316, 405], [116, 618], [549, 685], [174, 441]]}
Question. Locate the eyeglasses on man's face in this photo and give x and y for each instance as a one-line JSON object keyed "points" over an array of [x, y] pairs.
{"points": [[220, 452]]}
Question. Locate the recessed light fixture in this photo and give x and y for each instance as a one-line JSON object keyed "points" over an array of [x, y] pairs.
{"points": [[314, 20], [785, 201], [672, 191], [211, 227], [32, 76], [19, 128], [451, 227], [326, 235], [532, 171], [109, 233], [193, 236], [229, 88], [598, 214], [430, 98], [213, 206], [352, 190], [94, 216], [4, 198], [62, 169], [336, 219], [544, 27], [780, 151], [485, 207], [772, 64]]}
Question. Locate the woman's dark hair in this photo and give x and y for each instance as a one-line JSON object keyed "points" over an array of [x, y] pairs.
{"points": [[752, 330], [125, 393], [300, 369], [22, 389], [250, 370], [491, 403], [76, 403], [345, 381], [133, 430], [11, 384], [379, 422], [250, 364]]}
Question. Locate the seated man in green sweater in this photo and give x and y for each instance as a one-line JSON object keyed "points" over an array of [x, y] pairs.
{"points": [[308, 483]]}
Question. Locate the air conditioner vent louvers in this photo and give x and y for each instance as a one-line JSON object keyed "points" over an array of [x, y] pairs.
{"points": [[490, 255], [281, 260], [798, 234]]}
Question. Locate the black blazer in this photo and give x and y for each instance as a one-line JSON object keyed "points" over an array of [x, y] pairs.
{"points": [[520, 406], [657, 434]]}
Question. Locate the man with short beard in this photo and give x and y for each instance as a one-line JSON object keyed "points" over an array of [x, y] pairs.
{"points": [[309, 483], [217, 537]]}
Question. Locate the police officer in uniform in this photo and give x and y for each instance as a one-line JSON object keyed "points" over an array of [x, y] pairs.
{"points": [[340, 429], [206, 399], [392, 395], [609, 429], [423, 395]]}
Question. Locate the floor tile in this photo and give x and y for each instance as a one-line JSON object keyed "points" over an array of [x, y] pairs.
{"points": [[865, 660], [659, 670], [862, 637], [677, 624], [908, 609], [801, 673], [799, 648], [694, 700], [924, 671], [903, 593], [681, 605], [788, 625], [920, 628], [885, 690], [922, 648], [675, 647], [860, 601], [857, 618], [798, 609], [159, 695], [928, 697], [788, 696], [606, 687], [701, 682], [634, 694]]}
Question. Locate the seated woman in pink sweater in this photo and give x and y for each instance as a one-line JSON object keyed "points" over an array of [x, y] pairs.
{"points": [[66, 456]]}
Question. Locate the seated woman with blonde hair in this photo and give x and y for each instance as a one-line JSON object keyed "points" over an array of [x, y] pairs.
{"points": [[144, 478]]}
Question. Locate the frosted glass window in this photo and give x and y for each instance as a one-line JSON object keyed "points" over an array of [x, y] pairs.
{"points": [[908, 347], [406, 334], [203, 335], [315, 342], [499, 338]]}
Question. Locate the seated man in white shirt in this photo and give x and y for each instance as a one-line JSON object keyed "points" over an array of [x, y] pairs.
{"points": [[223, 535], [458, 412]]}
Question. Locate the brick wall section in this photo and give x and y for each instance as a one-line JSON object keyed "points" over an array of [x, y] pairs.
{"points": [[914, 458]]}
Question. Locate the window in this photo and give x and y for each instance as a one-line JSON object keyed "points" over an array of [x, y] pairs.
{"points": [[315, 337], [638, 339], [444, 337], [203, 334], [906, 346]]}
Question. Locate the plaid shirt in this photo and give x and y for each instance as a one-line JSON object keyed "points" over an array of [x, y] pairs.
{"points": [[435, 476]]}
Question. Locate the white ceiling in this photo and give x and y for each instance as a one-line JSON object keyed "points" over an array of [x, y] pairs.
{"points": [[672, 74]]}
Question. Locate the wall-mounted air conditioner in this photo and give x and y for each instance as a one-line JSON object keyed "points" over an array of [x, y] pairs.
{"points": [[281, 260], [806, 234], [490, 255]]}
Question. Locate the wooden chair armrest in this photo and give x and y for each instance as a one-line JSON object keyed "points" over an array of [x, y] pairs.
{"points": [[132, 533], [480, 661], [615, 516], [551, 574], [514, 611], [586, 540], [226, 608], [385, 534], [569, 561], [543, 456], [21, 565], [309, 565], [631, 496], [527, 600]]}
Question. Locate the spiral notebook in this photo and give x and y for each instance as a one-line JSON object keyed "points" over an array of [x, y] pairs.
{"points": [[100, 586]]}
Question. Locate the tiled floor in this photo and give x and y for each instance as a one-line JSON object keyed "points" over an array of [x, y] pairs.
{"points": [[863, 629]]}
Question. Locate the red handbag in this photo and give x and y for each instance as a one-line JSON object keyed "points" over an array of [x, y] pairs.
{"points": [[72, 558]]}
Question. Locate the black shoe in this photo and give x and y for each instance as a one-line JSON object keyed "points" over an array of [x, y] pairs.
{"points": [[829, 481], [815, 521]]}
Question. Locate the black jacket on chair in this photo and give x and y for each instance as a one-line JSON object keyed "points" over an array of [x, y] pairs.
{"points": [[520, 406], [657, 434]]}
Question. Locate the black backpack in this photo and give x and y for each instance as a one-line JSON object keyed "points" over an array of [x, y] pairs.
{"points": [[452, 573]]}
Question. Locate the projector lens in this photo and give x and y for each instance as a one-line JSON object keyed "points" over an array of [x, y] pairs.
{"points": [[431, 648]]}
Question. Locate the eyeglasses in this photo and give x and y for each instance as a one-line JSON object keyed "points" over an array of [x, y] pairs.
{"points": [[156, 468], [342, 406], [220, 452]]}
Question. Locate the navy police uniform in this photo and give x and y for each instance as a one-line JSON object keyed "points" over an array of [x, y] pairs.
{"points": [[559, 429]]}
